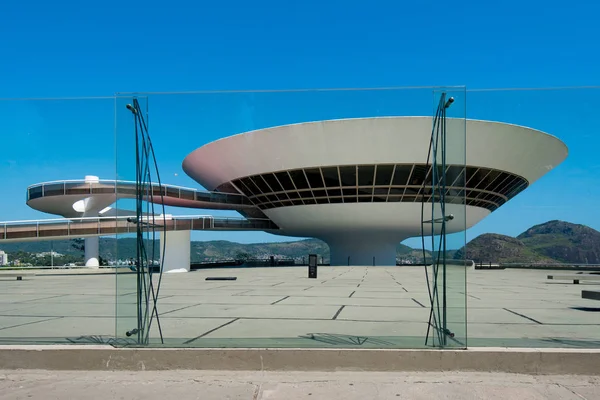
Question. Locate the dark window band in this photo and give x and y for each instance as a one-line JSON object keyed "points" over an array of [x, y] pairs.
{"points": [[475, 186]]}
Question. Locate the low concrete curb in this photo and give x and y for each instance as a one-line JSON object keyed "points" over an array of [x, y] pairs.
{"points": [[107, 358]]}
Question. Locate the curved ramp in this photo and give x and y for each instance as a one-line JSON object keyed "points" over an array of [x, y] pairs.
{"points": [[80, 198], [53, 229]]}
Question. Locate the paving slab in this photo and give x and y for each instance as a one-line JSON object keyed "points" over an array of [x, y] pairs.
{"points": [[392, 314], [503, 306], [61, 328], [270, 328], [8, 322], [266, 311], [188, 328], [220, 299], [351, 301], [218, 385], [561, 316]]}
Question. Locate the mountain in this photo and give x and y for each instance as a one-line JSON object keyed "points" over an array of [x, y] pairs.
{"points": [[222, 249], [550, 242], [491, 247], [564, 242], [111, 249]]}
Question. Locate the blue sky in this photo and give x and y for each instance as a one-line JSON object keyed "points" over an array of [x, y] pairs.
{"points": [[74, 49]]}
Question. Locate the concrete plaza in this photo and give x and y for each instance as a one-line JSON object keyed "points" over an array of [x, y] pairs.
{"points": [[281, 307], [217, 385]]}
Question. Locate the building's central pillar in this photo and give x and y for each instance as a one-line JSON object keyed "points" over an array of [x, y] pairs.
{"points": [[91, 244], [362, 250], [92, 251], [176, 255]]}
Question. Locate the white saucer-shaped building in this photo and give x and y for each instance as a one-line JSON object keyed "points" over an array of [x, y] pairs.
{"points": [[357, 183]]}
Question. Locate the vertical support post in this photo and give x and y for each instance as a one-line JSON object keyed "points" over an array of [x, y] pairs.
{"points": [[438, 144], [176, 256], [443, 207], [92, 251], [312, 266]]}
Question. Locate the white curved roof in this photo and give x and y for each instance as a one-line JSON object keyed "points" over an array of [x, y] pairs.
{"points": [[520, 150]]}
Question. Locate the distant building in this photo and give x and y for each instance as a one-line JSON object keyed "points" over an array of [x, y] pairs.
{"points": [[3, 258], [360, 184]]}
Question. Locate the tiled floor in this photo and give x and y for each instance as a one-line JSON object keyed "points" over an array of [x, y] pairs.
{"points": [[283, 307]]}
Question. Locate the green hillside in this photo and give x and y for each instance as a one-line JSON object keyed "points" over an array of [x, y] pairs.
{"points": [[551, 242]]}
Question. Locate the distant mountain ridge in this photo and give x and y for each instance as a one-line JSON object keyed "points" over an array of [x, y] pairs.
{"points": [[564, 242], [215, 250], [492, 247], [550, 242]]}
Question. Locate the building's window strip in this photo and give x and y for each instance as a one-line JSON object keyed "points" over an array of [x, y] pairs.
{"points": [[485, 187]]}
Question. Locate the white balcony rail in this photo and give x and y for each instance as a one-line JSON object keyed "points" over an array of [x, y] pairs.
{"points": [[57, 188], [87, 226]]}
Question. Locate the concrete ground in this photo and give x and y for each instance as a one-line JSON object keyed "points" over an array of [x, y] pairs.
{"points": [[282, 307], [218, 385]]}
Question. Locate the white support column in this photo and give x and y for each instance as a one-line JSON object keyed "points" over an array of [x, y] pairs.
{"points": [[177, 257], [92, 252], [92, 244]]}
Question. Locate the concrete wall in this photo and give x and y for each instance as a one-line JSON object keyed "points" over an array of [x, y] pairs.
{"points": [[107, 358], [177, 258]]}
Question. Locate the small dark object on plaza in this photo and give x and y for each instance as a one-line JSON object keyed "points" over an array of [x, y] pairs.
{"points": [[221, 278]]}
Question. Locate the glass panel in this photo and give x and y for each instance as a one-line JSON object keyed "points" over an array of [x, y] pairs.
{"points": [[366, 174], [251, 185], [419, 175], [35, 192], [550, 138], [282, 196], [362, 191], [348, 175], [314, 177], [56, 250], [299, 179], [401, 174], [137, 209], [520, 154], [250, 310], [261, 184], [383, 174], [331, 176], [447, 220], [54, 189], [272, 182], [284, 179], [241, 185]]}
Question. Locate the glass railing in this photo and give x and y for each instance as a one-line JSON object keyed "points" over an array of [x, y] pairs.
{"points": [[62, 188], [356, 306], [78, 227], [549, 226]]}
